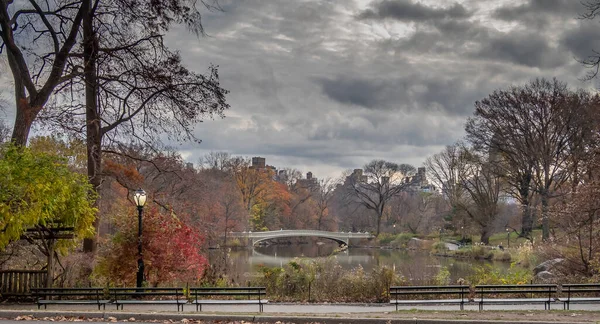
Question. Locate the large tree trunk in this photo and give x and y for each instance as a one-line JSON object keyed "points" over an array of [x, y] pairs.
{"points": [[50, 266], [25, 113], [93, 126], [527, 217], [379, 217], [545, 220], [485, 235]]}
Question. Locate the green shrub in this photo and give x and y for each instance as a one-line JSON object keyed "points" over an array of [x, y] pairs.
{"points": [[443, 277], [486, 274], [439, 248], [385, 238], [401, 240], [502, 256], [235, 242]]}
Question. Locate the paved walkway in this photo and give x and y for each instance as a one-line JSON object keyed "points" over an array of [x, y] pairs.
{"points": [[296, 308], [320, 313]]}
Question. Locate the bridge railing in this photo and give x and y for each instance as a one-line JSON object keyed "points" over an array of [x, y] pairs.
{"points": [[302, 233]]}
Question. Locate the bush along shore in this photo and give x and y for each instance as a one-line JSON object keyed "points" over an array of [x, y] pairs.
{"points": [[325, 280]]}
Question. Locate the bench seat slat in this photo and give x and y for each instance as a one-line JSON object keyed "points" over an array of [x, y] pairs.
{"points": [[228, 288], [219, 301], [227, 293], [145, 294], [429, 292], [162, 301], [489, 292], [428, 301], [514, 300], [73, 301], [581, 290], [579, 299], [66, 294]]}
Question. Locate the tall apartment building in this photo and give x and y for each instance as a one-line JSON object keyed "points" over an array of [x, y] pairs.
{"points": [[259, 162]]}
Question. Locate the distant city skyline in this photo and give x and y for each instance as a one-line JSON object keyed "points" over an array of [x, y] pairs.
{"points": [[327, 86]]}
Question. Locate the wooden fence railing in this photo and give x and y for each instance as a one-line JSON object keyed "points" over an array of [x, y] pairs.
{"points": [[20, 282]]}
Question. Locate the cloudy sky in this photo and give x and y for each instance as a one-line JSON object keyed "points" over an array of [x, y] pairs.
{"points": [[329, 85]]}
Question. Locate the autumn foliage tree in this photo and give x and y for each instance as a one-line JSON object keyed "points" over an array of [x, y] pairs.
{"points": [[39, 192], [172, 251]]}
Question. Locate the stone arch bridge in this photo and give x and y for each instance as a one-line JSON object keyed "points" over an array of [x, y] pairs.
{"points": [[340, 237]]}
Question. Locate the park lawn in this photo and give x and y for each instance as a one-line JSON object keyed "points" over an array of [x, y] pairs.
{"points": [[515, 240]]}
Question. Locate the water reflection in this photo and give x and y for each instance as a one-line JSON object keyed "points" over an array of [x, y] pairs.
{"points": [[419, 267]]}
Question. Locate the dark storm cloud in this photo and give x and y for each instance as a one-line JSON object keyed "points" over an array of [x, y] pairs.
{"points": [[539, 12], [583, 41], [436, 94], [529, 49], [355, 91], [407, 10]]}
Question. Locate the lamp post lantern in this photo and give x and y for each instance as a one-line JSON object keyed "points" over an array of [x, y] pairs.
{"points": [[140, 200]]}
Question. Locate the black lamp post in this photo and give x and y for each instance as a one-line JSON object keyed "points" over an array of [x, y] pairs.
{"points": [[140, 200], [508, 237]]}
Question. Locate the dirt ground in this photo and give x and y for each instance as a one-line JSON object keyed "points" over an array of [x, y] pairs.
{"points": [[504, 316], [501, 316]]}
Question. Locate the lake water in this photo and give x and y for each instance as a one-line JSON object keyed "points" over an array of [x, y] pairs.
{"points": [[419, 267]]}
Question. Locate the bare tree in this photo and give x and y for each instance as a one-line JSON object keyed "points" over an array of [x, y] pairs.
{"points": [[415, 210], [134, 88], [323, 196], [216, 161], [446, 172], [483, 184], [380, 181], [470, 183], [592, 10], [531, 129], [38, 40]]}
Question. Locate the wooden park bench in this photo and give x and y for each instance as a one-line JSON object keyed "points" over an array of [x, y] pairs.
{"points": [[18, 283], [161, 296], [579, 293], [400, 295], [516, 294], [71, 296], [236, 296]]}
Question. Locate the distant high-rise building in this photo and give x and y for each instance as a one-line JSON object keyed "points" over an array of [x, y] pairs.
{"points": [[259, 162]]}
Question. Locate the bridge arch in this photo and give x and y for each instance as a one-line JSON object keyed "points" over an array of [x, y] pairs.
{"points": [[340, 237], [339, 241]]}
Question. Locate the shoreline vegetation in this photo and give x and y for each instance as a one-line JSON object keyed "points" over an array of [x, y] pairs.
{"points": [[325, 280]]}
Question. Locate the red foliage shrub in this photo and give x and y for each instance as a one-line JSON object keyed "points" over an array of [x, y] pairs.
{"points": [[171, 251]]}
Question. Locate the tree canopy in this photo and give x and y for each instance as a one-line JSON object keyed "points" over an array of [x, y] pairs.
{"points": [[39, 189]]}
